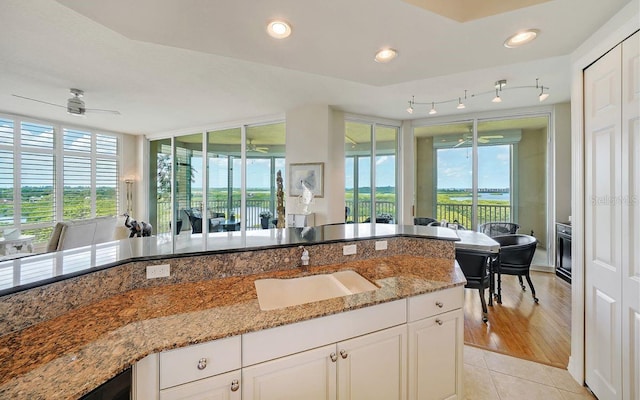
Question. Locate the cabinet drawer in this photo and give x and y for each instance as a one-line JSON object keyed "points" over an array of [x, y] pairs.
{"points": [[434, 303], [182, 365]]}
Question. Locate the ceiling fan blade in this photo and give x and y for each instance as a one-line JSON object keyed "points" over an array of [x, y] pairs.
{"points": [[460, 143], [261, 149], [483, 140], [39, 101], [98, 110]]}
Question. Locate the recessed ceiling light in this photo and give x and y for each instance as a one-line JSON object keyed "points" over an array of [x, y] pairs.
{"points": [[279, 29], [385, 55], [521, 38]]}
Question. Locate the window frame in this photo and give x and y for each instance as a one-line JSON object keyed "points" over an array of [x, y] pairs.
{"points": [[58, 152]]}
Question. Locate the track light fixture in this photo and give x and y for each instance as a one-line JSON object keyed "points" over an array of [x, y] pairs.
{"points": [[543, 96], [497, 99], [410, 108], [460, 103], [500, 86]]}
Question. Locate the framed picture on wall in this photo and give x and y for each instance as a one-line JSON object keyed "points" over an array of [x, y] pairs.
{"points": [[310, 175]]}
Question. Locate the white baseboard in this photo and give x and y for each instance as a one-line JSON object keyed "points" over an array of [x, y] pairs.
{"points": [[543, 268]]}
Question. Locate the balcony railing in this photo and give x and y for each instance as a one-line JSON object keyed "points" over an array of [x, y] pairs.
{"points": [[364, 210], [251, 216], [448, 211], [462, 213]]}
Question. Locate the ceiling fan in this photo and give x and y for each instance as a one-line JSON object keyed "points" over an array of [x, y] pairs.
{"points": [[481, 139], [75, 105], [253, 147]]}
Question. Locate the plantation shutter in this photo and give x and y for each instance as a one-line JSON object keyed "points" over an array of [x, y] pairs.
{"points": [[6, 172], [37, 173], [90, 174], [77, 176], [106, 175]]}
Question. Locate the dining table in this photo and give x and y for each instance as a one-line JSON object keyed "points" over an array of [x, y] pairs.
{"points": [[484, 244]]}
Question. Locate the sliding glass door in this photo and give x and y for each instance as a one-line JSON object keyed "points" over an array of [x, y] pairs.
{"points": [[507, 183], [370, 172], [207, 192]]}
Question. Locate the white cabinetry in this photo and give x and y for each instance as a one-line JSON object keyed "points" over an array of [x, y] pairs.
{"points": [[405, 348], [307, 375], [301, 220], [435, 345], [219, 387], [367, 367], [207, 371], [373, 366]]}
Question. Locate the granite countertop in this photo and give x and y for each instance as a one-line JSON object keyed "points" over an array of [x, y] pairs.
{"points": [[29, 272], [68, 356]]}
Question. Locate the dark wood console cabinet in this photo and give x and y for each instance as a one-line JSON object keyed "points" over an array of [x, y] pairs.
{"points": [[563, 251]]}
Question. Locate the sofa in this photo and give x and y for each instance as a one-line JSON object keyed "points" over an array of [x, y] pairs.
{"points": [[72, 234]]}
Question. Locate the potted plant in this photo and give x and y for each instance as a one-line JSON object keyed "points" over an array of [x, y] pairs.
{"points": [[265, 216]]}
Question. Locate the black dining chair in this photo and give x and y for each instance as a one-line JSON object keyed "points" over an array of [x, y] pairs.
{"points": [[499, 228], [423, 220], [475, 267], [195, 219], [516, 254]]}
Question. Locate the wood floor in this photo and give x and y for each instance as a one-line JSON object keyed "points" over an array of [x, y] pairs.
{"points": [[521, 328]]}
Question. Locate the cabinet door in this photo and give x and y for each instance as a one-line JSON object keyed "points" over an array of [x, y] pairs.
{"points": [[310, 375], [435, 357], [373, 366], [219, 387]]}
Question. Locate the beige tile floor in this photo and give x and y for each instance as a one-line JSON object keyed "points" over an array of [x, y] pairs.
{"points": [[494, 376]]}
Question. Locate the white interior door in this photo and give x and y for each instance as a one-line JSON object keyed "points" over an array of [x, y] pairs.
{"points": [[603, 283], [631, 217]]}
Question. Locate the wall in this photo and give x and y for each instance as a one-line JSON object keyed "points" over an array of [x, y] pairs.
{"points": [[315, 133], [532, 181], [424, 177], [562, 156]]}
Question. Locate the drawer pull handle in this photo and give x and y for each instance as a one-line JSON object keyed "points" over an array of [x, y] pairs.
{"points": [[333, 357], [235, 385], [344, 354], [439, 321], [439, 304], [202, 363]]}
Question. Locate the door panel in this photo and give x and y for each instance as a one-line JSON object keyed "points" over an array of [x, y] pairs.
{"points": [[435, 358], [308, 375], [631, 217], [373, 366], [603, 248], [603, 184]]}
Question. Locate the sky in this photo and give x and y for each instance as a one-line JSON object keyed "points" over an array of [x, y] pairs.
{"points": [[455, 167]]}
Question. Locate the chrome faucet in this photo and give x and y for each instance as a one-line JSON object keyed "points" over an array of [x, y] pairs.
{"points": [[305, 256]]}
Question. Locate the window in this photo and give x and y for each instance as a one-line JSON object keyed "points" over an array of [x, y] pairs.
{"points": [[507, 184], [217, 190], [370, 182], [57, 174]]}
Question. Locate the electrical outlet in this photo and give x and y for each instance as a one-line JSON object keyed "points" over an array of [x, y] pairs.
{"points": [[158, 271], [349, 250], [381, 245]]}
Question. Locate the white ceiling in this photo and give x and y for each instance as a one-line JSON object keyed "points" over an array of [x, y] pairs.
{"points": [[169, 64]]}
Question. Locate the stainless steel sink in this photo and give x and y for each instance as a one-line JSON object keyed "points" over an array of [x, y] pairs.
{"points": [[280, 293]]}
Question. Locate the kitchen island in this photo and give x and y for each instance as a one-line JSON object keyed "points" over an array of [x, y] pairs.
{"points": [[109, 318]]}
